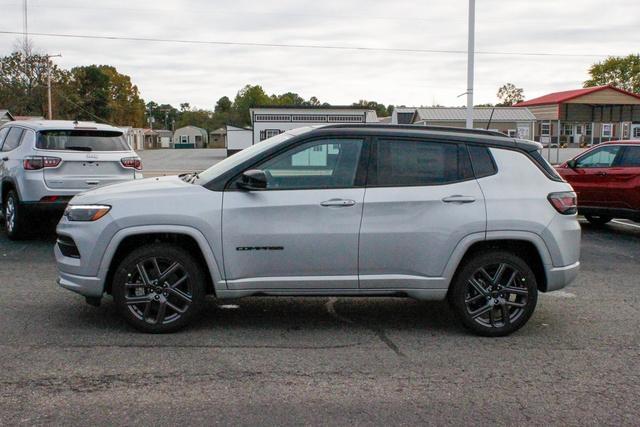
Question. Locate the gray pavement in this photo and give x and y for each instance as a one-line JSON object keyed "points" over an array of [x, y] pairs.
{"points": [[323, 361]]}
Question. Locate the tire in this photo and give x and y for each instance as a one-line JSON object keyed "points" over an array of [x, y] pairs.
{"points": [[494, 304], [161, 306], [14, 216], [598, 219]]}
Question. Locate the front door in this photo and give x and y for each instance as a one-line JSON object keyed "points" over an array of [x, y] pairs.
{"points": [[301, 232], [421, 200], [578, 131], [590, 177]]}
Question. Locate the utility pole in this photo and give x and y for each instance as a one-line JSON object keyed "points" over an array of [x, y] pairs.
{"points": [[49, 83], [470, 60]]}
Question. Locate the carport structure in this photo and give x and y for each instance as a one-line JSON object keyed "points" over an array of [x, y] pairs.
{"points": [[586, 116]]}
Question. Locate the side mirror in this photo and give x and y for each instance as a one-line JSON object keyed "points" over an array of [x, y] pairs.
{"points": [[572, 163], [253, 179]]}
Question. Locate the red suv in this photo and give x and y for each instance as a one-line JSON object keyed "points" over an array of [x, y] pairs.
{"points": [[607, 180]]}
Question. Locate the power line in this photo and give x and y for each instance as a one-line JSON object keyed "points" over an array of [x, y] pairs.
{"points": [[64, 97], [306, 46]]}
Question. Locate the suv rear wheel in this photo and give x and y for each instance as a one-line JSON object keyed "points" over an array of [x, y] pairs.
{"points": [[13, 216], [159, 288], [494, 293], [598, 219]]}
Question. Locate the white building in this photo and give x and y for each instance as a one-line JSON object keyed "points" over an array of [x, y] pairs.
{"points": [[238, 138], [270, 121]]}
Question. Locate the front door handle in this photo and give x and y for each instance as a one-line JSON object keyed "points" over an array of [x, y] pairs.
{"points": [[459, 199], [601, 174], [4, 159], [338, 203]]}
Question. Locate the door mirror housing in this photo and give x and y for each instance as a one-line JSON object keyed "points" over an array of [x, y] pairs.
{"points": [[253, 179], [572, 163]]}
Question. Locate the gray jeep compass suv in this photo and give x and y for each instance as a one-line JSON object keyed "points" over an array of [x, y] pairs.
{"points": [[43, 163], [474, 217]]}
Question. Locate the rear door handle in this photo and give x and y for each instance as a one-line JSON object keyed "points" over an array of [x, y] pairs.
{"points": [[459, 199], [92, 182], [338, 203], [601, 174]]}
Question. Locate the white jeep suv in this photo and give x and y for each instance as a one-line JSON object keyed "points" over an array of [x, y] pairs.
{"points": [[341, 210], [44, 163]]}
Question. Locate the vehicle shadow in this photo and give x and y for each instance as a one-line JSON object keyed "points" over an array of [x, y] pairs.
{"points": [[262, 318]]}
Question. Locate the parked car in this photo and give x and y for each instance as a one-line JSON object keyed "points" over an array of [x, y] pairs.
{"points": [[474, 217], [44, 163], [607, 181]]}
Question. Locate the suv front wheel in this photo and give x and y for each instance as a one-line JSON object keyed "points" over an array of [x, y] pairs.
{"points": [[494, 293], [159, 288]]}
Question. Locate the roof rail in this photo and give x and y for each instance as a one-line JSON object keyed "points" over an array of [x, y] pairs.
{"points": [[421, 127]]}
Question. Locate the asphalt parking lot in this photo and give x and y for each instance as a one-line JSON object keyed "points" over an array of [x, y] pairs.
{"points": [[323, 361]]}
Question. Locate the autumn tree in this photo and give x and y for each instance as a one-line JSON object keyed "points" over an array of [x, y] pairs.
{"points": [[509, 95], [23, 84], [621, 72]]}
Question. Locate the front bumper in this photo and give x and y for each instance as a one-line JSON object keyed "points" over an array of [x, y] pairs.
{"points": [[559, 277], [88, 286]]}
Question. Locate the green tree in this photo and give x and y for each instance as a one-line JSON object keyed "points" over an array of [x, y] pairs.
{"points": [[101, 92], [23, 84], [223, 105], [380, 109], [621, 72], [164, 115], [509, 95], [248, 97]]}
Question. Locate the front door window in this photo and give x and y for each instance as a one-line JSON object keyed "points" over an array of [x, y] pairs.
{"points": [[599, 158]]}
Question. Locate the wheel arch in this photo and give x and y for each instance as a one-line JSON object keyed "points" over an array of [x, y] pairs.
{"points": [[185, 237], [529, 246]]}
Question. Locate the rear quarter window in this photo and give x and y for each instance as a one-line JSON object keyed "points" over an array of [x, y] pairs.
{"points": [[482, 161], [82, 140], [542, 163], [13, 139]]}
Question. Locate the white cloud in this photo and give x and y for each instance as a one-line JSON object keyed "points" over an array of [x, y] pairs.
{"points": [[200, 74]]}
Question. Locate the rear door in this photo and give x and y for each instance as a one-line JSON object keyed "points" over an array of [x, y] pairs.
{"points": [[624, 180], [590, 177], [421, 200], [90, 158]]}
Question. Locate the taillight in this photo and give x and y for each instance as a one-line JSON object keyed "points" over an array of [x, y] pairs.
{"points": [[132, 162], [39, 162], [565, 202]]}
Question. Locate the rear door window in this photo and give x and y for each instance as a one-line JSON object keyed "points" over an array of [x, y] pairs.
{"points": [[630, 157], [82, 140], [12, 140], [398, 163]]}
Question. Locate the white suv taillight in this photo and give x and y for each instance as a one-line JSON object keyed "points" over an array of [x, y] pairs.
{"points": [[565, 202], [34, 163], [132, 162]]}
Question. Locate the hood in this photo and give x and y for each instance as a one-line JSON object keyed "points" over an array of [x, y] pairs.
{"points": [[131, 189]]}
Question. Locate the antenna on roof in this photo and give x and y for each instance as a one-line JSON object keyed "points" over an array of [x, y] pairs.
{"points": [[491, 117]]}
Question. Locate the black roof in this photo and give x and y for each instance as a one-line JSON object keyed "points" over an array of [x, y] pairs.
{"points": [[479, 136]]}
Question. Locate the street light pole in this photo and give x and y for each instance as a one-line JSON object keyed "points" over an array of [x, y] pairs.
{"points": [[470, 62], [49, 83]]}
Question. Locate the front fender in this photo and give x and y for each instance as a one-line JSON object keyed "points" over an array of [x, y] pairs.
{"points": [[212, 259]]}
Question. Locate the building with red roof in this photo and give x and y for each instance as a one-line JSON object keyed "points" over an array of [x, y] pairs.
{"points": [[587, 116]]}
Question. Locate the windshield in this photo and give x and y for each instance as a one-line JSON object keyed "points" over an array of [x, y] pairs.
{"points": [[82, 140], [242, 156]]}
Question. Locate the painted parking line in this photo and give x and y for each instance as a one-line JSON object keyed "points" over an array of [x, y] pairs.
{"points": [[617, 221]]}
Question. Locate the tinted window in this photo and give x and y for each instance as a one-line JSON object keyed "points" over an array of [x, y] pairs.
{"points": [[12, 140], [3, 133], [408, 162], [482, 161], [599, 158], [631, 157], [326, 163], [82, 140], [544, 164]]}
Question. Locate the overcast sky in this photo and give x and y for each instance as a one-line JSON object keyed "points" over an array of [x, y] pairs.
{"points": [[200, 74]]}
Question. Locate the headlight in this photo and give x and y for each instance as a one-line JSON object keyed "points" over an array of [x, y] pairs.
{"points": [[86, 212]]}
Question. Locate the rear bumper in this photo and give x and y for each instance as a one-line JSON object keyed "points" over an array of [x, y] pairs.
{"points": [[559, 277]]}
